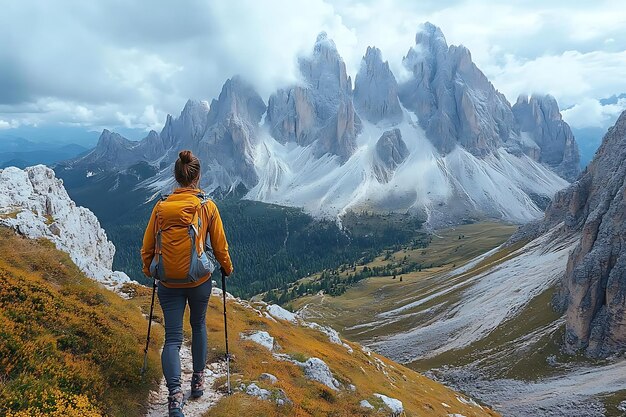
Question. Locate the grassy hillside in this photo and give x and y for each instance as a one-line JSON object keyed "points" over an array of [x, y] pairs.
{"points": [[380, 291], [70, 347], [67, 346], [517, 367]]}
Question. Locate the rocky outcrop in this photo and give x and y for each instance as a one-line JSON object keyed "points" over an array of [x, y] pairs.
{"points": [[260, 338], [454, 101], [321, 112], [376, 90], [594, 285], [391, 151], [393, 404], [545, 136], [34, 203], [316, 369]]}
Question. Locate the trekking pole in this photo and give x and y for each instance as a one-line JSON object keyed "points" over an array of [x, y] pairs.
{"points": [[226, 334], [145, 351]]}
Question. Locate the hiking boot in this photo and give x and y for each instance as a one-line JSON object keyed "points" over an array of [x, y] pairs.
{"points": [[197, 384], [175, 404]]}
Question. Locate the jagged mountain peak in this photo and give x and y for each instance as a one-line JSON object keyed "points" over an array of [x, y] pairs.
{"points": [[430, 34], [111, 151], [373, 54], [430, 39], [376, 89], [324, 44], [546, 103], [325, 69], [107, 137], [195, 111], [454, 101], [541, 124], [226, 144], [237, 97], [462, 57], [186, 129], [319, 113], [152, 135], [195, 106]]}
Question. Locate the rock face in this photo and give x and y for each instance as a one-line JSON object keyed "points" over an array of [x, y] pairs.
{"points": [[221, 134], [454, 101], [551, 139], [321, 111], [34, 203], [391, 151], [376, 89], [594, 285]]}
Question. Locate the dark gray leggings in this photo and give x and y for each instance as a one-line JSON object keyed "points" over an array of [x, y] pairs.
{"points": [[173, 301]]}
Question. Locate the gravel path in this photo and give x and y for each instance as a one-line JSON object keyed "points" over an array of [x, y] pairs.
{"points": [[193, 407]]}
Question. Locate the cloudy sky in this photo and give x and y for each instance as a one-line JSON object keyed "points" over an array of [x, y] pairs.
{"points": [[125, 63]]}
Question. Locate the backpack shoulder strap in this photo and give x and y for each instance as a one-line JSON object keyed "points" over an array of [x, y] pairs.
{"points": [[197, 216], [157, 228]]}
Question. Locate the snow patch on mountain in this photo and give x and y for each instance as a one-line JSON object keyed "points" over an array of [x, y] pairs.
{"points": [[34, 203], [440, 188], [487, 300]]}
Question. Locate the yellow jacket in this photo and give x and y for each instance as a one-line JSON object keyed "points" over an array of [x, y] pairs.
{"points": [[211, 225]]}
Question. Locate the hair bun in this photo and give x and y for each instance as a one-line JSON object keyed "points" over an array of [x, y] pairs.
{"points": [[185, 157]]}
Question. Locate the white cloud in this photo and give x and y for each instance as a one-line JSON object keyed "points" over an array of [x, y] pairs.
{"points": [[571, 76], [150, 119], [10, 124], [118, 63], [591, 113]]}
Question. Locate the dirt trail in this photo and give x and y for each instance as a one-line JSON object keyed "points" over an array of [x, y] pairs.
{"points": [[193, 407]]}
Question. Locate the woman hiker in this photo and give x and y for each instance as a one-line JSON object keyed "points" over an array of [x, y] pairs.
{"points": [[174, 254]]}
